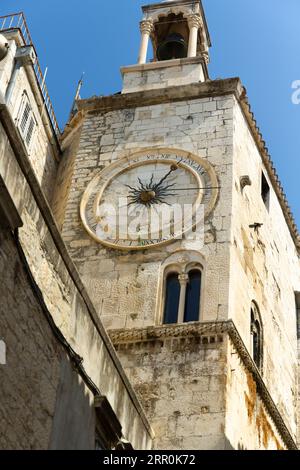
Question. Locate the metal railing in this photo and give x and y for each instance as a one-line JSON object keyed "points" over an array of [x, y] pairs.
{"points": [[18, 21]]}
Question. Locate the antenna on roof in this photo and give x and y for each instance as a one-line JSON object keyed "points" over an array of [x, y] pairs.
{"points": [[74, 108], [79, 86]]}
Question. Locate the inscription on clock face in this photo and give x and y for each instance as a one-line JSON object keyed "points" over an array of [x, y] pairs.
{"points": [[148, 199]]}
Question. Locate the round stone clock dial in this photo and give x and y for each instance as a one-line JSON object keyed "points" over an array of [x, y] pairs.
{"points": [[148, 199]]}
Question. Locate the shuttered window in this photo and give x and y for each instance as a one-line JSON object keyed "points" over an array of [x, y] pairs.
{"points": [[27, 123]]}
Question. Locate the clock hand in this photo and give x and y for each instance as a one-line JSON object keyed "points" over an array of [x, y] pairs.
{"points": [[173, 168], [149, 194]]}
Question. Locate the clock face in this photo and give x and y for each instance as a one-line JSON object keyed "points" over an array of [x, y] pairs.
{"points": [[149, 199]]}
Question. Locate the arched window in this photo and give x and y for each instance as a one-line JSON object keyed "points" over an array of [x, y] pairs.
{"points": [[172, 298], [182, 297], [256, 337], [192, 301]]}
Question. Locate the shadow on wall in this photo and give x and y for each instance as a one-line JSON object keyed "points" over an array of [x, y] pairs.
{"points": [[74, 417], [49, 174], [44, 401]]}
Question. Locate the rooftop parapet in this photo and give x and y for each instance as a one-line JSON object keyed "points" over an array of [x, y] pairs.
{"points": [[17, 21]]}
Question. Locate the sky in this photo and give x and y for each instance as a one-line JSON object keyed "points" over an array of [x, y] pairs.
{"points": [[256, 40]]}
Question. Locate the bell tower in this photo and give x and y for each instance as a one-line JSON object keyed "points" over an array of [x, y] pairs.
{"points": [[205, 327], [180, 41]]}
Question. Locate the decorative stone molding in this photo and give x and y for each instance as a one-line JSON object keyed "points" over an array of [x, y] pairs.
{"points": [[169, 331], [155, 16], [181, 262], [205, 56], [195, 21], [183, 279], [245, 181], [151, 333], [146, 26], [206, 331]]}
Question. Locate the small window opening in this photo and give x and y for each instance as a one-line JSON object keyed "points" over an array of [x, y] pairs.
{"points": [[297, 300], [265, 191], [256, 338]]}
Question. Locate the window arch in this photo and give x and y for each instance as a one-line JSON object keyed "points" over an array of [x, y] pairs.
{"points": [[172, 298], [256, 336], [193, 293], [182, 296]]}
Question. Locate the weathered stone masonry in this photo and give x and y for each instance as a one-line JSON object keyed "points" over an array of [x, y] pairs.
{"points": [[226, 381], [35, 359], [213, 121]]}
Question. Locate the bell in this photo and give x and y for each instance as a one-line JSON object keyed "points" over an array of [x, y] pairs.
{"points": [[173, 47]]}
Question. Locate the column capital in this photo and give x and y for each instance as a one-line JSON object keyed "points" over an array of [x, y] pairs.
{"points": [[194, 21], [146, 26], [183, 279]]}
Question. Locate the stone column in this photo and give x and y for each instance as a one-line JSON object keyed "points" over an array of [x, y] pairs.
{"points": [[146, 28], [183, 280], [194, 22]]}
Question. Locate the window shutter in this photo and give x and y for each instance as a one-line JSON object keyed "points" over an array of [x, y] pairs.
{"points": [[25, 117], [30, 130], [27, 121]]}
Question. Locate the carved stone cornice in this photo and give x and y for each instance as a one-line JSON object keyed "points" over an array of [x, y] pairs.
{"points": [[137, 335], [228, 328]]}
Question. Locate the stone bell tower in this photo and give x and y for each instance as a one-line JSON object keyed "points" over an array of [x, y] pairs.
{"points": [[180, 41], [206, 326]]}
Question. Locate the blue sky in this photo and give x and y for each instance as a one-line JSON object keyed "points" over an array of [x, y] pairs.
{"points": [[257, 40]]}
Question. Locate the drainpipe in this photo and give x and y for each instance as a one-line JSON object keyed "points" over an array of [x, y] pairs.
{"points": [[12, 81]]}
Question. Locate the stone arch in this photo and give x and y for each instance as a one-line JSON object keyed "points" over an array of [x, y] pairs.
{"points": [[182, 263]]}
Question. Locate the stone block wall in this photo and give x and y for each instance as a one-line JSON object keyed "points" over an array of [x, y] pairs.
{"points": [[248, 424], [62, 187], [35, 370], [157, 75], [264, 269], [241, 265], [181, 383], [43, 151], [126, 286], [200, 388], [46, 402]]}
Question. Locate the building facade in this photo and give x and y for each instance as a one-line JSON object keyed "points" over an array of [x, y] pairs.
{"points": [[203, 321], [61, 383]]}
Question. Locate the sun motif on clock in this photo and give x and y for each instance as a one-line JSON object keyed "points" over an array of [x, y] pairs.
{"points": [[148, 199]]}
